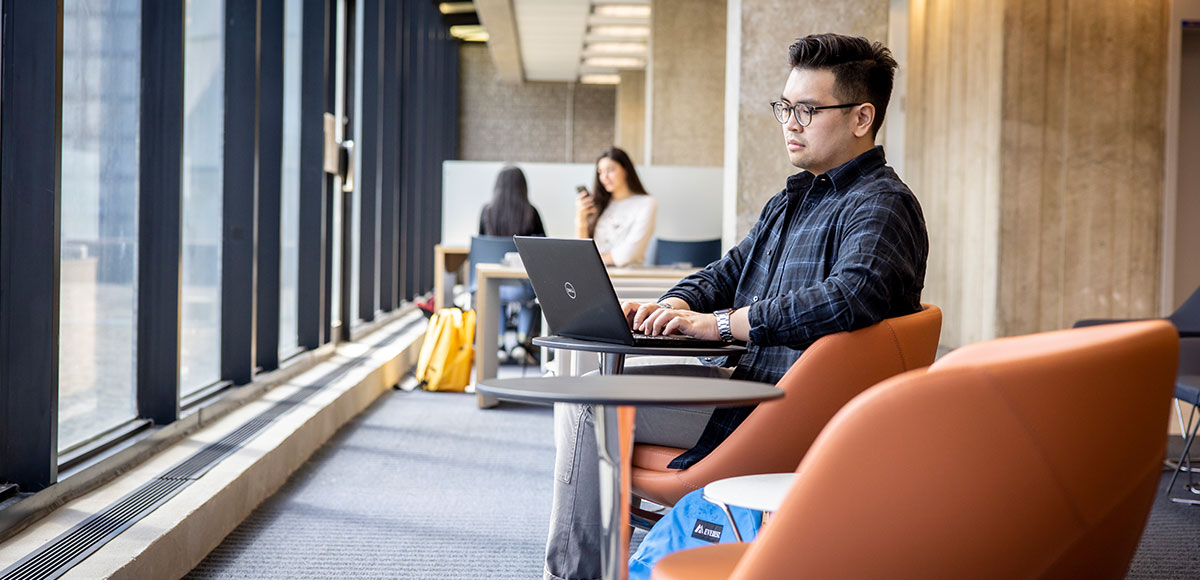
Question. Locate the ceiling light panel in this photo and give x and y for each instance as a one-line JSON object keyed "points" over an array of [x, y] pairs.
{"points": [[620, 48], [600, 79], [623, 32], [456, 7], [614, 62], [622, 10]]}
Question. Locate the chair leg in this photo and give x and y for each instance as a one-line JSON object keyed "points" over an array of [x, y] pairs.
{"points": [[1184, 463], [1171, 463]]}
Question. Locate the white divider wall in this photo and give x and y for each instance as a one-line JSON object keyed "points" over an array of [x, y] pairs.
{"points": [[689, 198]]}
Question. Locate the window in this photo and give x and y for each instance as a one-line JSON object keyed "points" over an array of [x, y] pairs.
{"points": [[203, 142], [289, 220], [99, 220]]}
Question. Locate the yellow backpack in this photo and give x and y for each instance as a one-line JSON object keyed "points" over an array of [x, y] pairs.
{"points": [[448, 351]]}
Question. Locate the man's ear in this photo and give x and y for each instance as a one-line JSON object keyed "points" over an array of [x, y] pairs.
{"points": [[863, 119]]}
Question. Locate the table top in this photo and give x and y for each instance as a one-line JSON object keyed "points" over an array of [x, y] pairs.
{"points": [[555, 341], [631, 390], [757, 492]]}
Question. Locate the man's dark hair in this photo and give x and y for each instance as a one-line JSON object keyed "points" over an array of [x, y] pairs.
{"points": [[862, 70]]}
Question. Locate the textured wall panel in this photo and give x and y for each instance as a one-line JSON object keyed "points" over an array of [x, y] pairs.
{"points": [[501, 121]]}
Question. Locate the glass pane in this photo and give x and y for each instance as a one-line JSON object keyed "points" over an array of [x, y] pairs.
{"points": [[99, 227], [203, 141], [289, 221]]}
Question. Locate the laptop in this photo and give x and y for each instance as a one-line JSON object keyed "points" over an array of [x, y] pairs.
{"points": [[577, 297]]}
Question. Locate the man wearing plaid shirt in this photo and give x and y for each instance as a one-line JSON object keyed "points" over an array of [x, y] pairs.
{"points": [[842, 247]]}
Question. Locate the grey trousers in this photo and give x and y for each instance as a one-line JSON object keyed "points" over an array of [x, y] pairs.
{"points": [[573, 545]]}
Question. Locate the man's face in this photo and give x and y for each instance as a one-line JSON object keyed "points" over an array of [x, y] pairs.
{"points": [[829, 139]]}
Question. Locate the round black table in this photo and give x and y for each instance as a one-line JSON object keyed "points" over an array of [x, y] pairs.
{"points": [[608, 392], [612, 356]]}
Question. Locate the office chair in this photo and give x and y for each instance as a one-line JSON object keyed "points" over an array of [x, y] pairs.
{"points": [[491, 250], [775, 437], [1186, 320], [699, 253], [981, 466]]}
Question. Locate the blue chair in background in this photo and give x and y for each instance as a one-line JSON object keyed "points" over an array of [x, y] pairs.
{"points": [[696, 253], [491, 250]]}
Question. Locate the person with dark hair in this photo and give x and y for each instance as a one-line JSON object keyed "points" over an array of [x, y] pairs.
{"points": [[510, 214], [617, 213], [842, 247]]}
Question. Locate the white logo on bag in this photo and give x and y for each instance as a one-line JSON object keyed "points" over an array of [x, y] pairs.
{"points": [[570, 290]]}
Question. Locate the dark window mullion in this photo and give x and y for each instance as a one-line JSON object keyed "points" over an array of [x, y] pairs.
{"points": [[159, 212], [367, 146], [310, 291], [30, 207], [239, 191], [270, 176], [388, 242]]}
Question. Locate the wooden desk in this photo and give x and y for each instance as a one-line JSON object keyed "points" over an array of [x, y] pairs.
{"points": [[445, 259], [487, 306]]}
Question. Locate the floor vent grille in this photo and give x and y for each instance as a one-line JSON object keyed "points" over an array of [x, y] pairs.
{"points": [[56, 557]]}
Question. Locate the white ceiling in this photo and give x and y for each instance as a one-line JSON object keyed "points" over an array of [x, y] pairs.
{"points": [[551, 37]]}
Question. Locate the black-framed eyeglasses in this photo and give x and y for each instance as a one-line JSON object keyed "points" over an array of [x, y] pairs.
{"points": [[803, 111]]}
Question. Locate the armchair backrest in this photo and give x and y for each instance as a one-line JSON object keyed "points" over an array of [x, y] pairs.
{"points": [[827, 375], [1035, 456]]}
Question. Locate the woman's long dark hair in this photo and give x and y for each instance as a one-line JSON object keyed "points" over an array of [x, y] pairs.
{"points": [[602, 197], [509, 213]]}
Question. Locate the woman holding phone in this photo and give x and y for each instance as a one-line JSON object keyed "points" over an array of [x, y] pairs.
{"points": [[618, 213]]}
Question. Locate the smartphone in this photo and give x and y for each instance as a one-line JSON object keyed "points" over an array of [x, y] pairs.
{"points": [[582, 189]]}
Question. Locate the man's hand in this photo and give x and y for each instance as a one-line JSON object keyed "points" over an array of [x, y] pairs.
{"points": [[672, 321]]}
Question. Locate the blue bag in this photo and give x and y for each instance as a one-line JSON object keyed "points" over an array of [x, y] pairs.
{"points": [[692, 523]]}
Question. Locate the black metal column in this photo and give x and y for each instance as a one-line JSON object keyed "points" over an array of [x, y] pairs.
{"points": [[160, 220], [390, 159], [30, 207]]}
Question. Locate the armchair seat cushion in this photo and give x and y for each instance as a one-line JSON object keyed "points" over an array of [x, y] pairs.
{"points": [[717, 561], [655, 457]]}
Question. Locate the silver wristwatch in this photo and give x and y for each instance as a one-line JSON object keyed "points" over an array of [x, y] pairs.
{"points": [[723, 325]]}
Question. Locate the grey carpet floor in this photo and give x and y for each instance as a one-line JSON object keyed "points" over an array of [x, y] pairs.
{"points": [[425, 485], [421, 485]]}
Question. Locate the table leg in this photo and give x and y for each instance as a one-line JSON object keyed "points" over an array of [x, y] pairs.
{"points": [[613, 563], [612, 363], [487, 330]]}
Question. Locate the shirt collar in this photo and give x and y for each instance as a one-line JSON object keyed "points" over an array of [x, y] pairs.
{"points": [[844, 175]]}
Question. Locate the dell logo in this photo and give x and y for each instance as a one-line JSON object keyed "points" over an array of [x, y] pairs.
{"points": [[570, 290]]}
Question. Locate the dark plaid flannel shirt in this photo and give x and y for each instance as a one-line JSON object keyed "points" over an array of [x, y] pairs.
{"points": [[832, 252]]}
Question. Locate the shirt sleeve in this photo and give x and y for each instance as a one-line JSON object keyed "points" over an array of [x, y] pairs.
{"points": [[881, 249], [715, 287], [632, 249]]}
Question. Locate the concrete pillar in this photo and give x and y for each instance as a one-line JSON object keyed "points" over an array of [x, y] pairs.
{"points": [[760, 32], [687, 78], [631, 115], [1035, 143]]}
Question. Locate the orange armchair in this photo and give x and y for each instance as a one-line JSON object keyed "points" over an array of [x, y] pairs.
{"points": [[776, 436], [991, 459]]}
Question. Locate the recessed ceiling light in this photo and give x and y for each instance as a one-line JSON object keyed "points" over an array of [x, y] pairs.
{"points": [[622, 10], [600, 79], [614, 62], [456, 7], [469, 33], [615, 48], [621, 31]]}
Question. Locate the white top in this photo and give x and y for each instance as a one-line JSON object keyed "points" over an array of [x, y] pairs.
{"points": [[625, 228], [757, 492]]}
